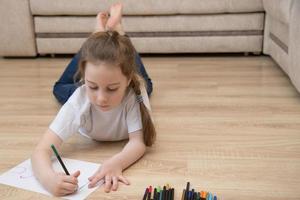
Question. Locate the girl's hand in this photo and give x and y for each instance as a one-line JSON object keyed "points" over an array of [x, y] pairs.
{"points": [[111, 172], [61, 184]]}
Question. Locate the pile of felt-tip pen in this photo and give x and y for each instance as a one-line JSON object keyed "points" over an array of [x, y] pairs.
{"points": [[192, 194], [158, 193]]}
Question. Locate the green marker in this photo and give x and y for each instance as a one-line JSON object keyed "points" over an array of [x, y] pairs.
{"points": [[59, 159]]}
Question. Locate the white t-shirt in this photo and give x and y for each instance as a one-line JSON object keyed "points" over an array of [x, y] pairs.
{"points": [[79, 115]]}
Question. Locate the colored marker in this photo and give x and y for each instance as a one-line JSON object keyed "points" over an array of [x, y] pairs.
{"points": [[164, 192], [168, 194], [183, 194], [210, 196], [149, 193], [198, 196], [187, 191], [157, 196], [172, 193], [59, 159], [192, 194], [145, 194], [155, 193], [161, 195], [202, 195]]}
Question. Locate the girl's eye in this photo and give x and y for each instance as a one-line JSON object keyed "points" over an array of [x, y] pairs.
{"points": [[93, 88], [112, 89]]}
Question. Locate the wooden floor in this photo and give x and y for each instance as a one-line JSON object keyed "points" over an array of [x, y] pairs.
{"points": [[228, 124]]}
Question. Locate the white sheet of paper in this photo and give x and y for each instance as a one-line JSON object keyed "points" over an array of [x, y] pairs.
{"points": [[22, 177]]}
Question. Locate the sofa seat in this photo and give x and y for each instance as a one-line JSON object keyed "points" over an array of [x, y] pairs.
{"points": [[159, 34], [170, 26]]}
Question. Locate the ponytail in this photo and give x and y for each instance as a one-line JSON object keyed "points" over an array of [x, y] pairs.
{"points": [[149, 131]]}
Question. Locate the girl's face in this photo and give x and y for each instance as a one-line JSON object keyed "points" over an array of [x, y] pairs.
{"points": [[106, 85]]}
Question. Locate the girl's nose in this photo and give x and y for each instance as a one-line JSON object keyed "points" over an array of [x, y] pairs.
{"points": [[101, 98]]}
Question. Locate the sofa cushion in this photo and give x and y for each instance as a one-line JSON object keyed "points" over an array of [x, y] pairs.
{"points": [[144, 7], [163, 44], [278, 9], [180, 23]]}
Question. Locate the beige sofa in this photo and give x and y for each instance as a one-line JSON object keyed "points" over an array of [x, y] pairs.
{"points": [[282, 36], [32, 27]]}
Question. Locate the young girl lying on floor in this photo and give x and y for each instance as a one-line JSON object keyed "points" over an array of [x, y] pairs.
{"points": [[110, 105]]}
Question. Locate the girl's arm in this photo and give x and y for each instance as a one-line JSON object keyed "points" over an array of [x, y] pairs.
{"points": [[57, 183], [111, 170], [133, 150]]}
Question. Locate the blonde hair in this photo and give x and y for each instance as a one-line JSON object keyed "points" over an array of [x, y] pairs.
{"points": [[113, 48]]}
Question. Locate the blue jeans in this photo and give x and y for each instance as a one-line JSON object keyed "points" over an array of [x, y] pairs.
{"points": [[66, 85]]}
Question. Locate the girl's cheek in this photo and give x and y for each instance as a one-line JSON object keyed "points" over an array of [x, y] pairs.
{"points": [[91, 95]]}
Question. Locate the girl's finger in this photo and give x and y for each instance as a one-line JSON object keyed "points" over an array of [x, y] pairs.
{"points": [[115, 183], [69, 187], [70, 179], [76, 174], [95, 179], [107, 183], [66, 192], [124, 180], [93, 176]]}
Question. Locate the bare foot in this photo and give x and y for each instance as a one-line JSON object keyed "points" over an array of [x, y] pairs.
{"points": [[115, 16], [101, 21]]}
